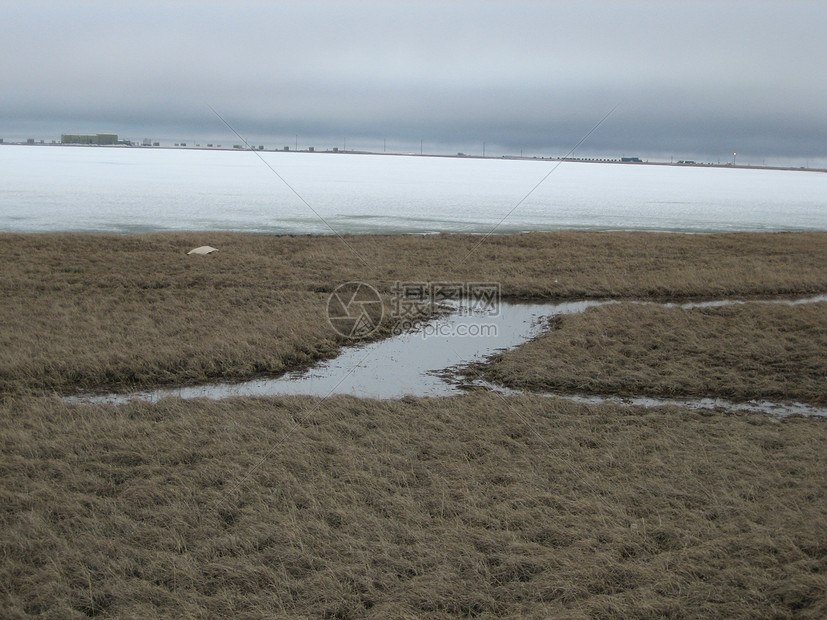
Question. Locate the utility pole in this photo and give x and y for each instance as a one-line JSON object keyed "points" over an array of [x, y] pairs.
{"points": [[420, 147], [483, 149]]}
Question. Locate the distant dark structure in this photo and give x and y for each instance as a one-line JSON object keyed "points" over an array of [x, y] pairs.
{"points": [[633, 160], [98, 138]]}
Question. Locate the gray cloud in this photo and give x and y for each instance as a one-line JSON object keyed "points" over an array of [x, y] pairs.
{"points": [[699, 78]]}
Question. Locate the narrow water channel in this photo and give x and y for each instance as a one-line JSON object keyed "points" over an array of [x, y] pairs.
{"points": [[776, 409], [416, 363], [408, 364]]}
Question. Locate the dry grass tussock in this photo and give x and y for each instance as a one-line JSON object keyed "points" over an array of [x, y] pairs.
{"points": [[743, 352], [475, 506], [83, 311]]}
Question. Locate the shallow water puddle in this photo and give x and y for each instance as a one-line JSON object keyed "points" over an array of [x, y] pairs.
{"points": [[408, 364], [418, 363]]}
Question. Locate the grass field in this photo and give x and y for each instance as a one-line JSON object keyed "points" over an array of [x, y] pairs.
{"points": [[476, 506], [741, 352], [83, 312]]}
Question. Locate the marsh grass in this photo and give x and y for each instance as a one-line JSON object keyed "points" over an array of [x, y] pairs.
{"points": [[740, 352], [474, 506], [83, 312]]}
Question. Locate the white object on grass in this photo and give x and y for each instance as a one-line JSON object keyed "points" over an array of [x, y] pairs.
{"points": [[204, 249]]}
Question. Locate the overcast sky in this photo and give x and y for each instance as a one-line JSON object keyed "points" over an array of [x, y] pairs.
{"points": [[691, 79]]}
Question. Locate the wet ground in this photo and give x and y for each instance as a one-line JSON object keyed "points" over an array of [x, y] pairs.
{"points": [[423, 362]]}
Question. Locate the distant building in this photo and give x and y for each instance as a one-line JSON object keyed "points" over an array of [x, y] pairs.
{"points": [[98, 138], [635, 160]]}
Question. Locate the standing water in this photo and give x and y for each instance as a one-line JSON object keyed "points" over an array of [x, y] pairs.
{"points": [[411, 363], [422, 363]]}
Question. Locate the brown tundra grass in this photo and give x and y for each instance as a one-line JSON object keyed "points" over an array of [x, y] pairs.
{"points": [[479, 506], [471, 506], [83, 311], [743, 352]]}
